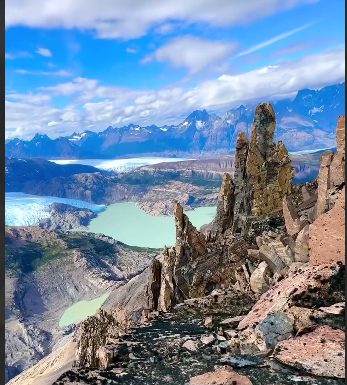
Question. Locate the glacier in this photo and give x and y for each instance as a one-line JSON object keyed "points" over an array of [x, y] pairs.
{"points": [[27, 210], [119, 165]]}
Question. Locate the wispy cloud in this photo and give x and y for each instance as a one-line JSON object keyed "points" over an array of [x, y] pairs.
{"points": [[44, 52], [12, 56], [121, 19], [48, 73], [131, 50], [273, 40], [191, 52], [295, 47]]}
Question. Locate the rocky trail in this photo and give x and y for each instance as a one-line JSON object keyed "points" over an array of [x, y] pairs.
{"points": [[177, 347]]}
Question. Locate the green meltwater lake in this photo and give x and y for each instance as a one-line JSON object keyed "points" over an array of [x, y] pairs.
{"points": [[129, 224], [81, 310]]}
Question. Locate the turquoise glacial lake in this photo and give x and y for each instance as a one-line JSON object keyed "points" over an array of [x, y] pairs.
{"points": [[81, 310], [129, 224]]}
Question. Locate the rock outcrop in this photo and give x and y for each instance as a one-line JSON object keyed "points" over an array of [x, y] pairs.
{"points": [[327, 235], [321, 352], [225, 207], [200, 260], [91, 337], [316, 226], [289, 307], [66, 217], [263, 170], [331, 177]]}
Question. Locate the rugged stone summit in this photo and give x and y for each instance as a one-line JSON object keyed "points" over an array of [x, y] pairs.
{"points": [[199, 260], [262, 177], [268, 164]]}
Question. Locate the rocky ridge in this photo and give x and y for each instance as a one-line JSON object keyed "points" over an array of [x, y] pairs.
{"points": [[66, 217], [254, 282]]}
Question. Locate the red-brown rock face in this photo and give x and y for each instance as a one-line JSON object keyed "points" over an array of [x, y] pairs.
{"points": [[220, 377], [321, 352], [331, 177], [327, 235], [288, 293]]}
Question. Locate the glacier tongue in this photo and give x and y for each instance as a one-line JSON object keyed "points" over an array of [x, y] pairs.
{"points": [[26, 210]]}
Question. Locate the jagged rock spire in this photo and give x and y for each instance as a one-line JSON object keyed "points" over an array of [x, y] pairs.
{"points": [[268, 164], [262, 177]]}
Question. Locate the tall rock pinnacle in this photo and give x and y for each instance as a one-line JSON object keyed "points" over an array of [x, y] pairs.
{"points": [[268, 164]]}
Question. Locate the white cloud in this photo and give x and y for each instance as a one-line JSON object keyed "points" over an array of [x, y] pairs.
{"points": [[191, 52], [131, 50], [29, 98], [122, 106], [12, 56], [273, 40], [44, 52], [48, 73], [133, 18]]}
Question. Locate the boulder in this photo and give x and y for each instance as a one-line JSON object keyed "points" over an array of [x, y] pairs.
{"points": [[276, 326], [190, 345], [259, 280], [220, 377], [321, 352], [207, 339], [269, 254], [304, 286]]}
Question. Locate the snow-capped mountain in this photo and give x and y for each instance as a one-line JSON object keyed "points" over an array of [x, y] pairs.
{"points": [[41, 146], [305, 122]]}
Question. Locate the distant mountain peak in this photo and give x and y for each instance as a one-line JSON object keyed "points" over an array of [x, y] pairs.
{"points": [[40, 137], [304, 122], [202, 115]]}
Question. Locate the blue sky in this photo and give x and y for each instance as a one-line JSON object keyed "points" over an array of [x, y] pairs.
{"points": [[73, 65]]}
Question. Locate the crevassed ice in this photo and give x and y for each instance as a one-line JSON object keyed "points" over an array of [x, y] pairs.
{"points": [[119, 165], [26, 210]]}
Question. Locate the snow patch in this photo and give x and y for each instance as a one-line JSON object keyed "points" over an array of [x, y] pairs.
{"points": [[199, 124]]}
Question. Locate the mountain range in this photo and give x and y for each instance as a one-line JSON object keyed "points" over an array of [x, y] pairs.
{"points": [[305, 122]]}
